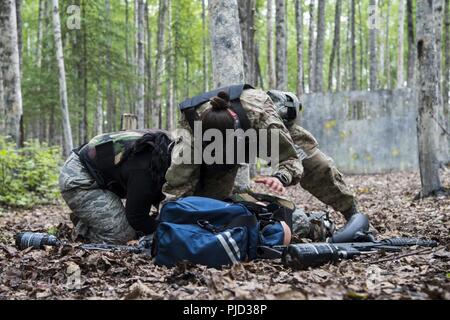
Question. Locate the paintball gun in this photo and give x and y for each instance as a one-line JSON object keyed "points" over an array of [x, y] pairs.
{"points": [[304, 255], [39, 240]]}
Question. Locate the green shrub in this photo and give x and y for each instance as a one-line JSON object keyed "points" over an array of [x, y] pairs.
{"points": [[28, 176]]}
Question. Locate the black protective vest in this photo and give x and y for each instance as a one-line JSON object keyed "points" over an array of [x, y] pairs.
{"points": [[99, 159]]}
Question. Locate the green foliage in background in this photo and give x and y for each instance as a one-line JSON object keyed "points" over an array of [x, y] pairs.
{"points": [[28, 176]]}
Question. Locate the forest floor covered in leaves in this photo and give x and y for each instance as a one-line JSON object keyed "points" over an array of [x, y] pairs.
{"points": [[388, 199]]}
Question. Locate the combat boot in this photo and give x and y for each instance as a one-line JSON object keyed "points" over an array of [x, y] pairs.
{"points": [[354, 210], [350, 212]]}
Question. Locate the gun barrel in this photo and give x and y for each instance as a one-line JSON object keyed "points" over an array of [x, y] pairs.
{"points": [[304, 255], [111, 247], [407, 242], [39, 240]]}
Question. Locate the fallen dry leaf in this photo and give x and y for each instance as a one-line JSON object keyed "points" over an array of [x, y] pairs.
{"points": [[387, 199]]}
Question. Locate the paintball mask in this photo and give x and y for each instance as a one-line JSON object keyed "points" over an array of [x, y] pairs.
{"points": [[286, 103]]}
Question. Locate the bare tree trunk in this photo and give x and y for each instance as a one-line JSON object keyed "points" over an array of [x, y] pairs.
{"points": [[135, 28], [9, 57], [40, 33], [169, 70], [110, 108], [311, 47], [2, 101], [85, 84], [443, 135], [187, 75], [149, 93], [227, 57], [19, 29], [362, 51], [299, 27], [247, 9], [228, 65], [122, 100], [335, 51], [318, 74], [159, 64], [387, 61], [140, 107], [281, 41], [127, 54], [67, 131], [438, 6], [347, 54], [176, 111], [205, 52], [272, 78], [446, 70], [259, 77], [353, 43], [411, 44], [38, 62], [400, 52], [373, 74], [429, 99], [98, 124]]}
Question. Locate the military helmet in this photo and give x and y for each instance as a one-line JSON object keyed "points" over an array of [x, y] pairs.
{"points": [[286, 103]]}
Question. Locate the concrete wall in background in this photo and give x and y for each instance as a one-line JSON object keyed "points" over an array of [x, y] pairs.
{"points": [[365, 132]]}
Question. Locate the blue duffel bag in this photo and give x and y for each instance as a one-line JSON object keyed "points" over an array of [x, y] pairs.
{"points": [[211, 232]]}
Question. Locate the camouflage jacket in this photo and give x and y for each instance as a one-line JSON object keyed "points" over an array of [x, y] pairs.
{"points": [[189, 179], [305, 143], [122, 141]]}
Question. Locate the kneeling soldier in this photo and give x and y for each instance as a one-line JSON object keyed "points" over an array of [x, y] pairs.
{"points": [[114, 166]]}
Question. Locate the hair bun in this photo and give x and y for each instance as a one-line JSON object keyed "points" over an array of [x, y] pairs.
{"points": [[224, 96], [221, 102]]}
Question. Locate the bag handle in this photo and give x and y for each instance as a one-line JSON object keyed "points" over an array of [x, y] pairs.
{"points": [[248, 221]]}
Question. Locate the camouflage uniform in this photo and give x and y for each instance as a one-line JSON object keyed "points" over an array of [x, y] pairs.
{"points": [[98, 215], [311, 168], [187, 179], [321, 178]]}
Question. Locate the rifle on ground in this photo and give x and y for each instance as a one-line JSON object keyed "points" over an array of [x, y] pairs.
{"points": [[304, 255], [39, 240]]}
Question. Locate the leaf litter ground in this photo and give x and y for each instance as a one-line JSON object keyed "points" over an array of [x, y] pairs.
{"points": [[388, 199]]}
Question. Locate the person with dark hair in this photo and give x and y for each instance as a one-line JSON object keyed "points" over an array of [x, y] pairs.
{"points": [[122, 165], [217, 180], [300, 160]]}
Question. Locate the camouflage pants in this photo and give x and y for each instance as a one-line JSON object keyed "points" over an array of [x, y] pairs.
{"points": [[323, 180], [320, 177], [98, 215]]}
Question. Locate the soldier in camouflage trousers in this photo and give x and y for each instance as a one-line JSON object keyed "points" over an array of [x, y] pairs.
{"points": [[321, 178], [300, 162], [114, 166], [97, 214]]}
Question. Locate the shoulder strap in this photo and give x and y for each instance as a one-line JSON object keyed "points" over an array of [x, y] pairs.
{"points": [[236, 105], [105, 163]]}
